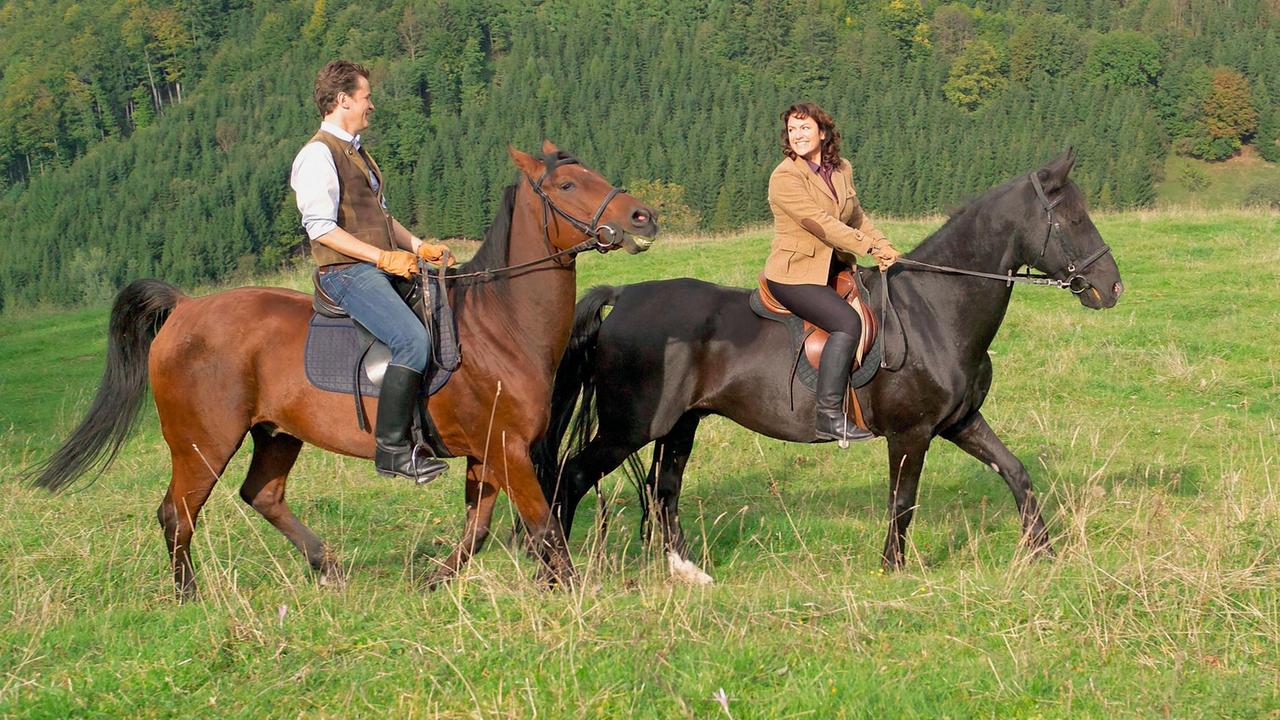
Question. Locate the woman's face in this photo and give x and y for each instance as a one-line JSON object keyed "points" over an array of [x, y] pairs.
{"points": [[805, 138]]}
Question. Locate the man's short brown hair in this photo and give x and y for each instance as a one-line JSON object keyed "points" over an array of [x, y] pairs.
{"points": [[338, 76]]}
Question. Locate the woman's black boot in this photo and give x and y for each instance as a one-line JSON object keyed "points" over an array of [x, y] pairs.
{"points": [[833, 384]]}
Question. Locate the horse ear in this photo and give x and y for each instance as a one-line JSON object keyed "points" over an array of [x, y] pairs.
{"points": [[528, 164], [1054, 175], [549, 148]]}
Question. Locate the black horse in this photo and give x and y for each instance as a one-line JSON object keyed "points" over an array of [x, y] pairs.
{"points": [[674, 351]]}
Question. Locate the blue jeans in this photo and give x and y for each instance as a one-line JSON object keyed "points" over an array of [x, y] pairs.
{"points": [[365, 292]]}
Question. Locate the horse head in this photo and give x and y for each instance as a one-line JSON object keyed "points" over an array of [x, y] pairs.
{"points": [[1059, 239], [580, 205]]}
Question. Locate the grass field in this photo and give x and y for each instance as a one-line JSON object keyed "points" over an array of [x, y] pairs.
{"points": [[1150, 432]]}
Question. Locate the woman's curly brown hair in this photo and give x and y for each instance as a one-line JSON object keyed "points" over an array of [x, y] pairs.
{"points": [[830, 146]]}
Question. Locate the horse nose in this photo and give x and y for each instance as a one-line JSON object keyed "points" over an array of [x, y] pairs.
{"points": [[642, 217], [1117, 288]]}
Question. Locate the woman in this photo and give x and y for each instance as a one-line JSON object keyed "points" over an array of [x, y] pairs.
{"points": [[818, 227]]}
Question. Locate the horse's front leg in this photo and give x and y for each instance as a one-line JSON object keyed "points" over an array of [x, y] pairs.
{"points": [[906, 459], [546, 537], [482, 491], [977, 438]]}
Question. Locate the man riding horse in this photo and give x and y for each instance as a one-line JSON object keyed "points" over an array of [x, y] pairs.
{"points": [[360, 248]]}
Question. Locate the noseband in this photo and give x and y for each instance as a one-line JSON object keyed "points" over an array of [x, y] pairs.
{"points": [[1076, 282]]}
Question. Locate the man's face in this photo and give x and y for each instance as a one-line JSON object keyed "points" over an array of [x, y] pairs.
{"points": [[358, 105]]}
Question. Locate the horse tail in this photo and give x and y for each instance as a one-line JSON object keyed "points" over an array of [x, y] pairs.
{"points": [[573, 411], [139, 311]]}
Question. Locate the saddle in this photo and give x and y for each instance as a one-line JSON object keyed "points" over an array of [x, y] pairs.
{"points": [[343, 356], [808, 340]]}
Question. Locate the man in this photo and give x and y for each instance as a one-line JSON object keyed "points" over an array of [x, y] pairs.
{"points": [[359, 247]]}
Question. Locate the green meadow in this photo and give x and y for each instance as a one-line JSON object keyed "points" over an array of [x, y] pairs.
{"points": [[1150, 431]]}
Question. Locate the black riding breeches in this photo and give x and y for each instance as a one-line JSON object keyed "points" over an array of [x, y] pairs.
{"points": [[820, 305]]}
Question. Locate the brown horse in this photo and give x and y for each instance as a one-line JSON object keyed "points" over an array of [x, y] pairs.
{"points": [[231, 363]]}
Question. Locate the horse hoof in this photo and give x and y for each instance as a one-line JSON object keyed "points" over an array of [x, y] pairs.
{"points": [[332, 577], [684, 571], [555, 580], [1044, 553], [433, 580]]}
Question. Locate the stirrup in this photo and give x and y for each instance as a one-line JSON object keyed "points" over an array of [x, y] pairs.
{"points": [[849, 432], [423, 467]]}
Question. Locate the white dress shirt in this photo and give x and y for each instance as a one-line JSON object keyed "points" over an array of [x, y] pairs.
{"points": [[315, 182]]}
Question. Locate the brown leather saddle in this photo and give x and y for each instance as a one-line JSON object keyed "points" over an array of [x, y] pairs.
{"points": [[811, 339]]}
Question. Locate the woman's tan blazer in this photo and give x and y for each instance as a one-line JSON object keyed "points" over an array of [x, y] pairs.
{"points": [[809, 224]]}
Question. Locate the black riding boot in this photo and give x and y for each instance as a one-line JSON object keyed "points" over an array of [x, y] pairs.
{"points": [[833, 383], [397, 454]]}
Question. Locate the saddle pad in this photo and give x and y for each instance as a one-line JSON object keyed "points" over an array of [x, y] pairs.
{"points": [[333, 348]]}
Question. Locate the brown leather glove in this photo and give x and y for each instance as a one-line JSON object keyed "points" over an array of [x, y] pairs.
{"points": [[885, 254], [434, 253], [398, 262]]}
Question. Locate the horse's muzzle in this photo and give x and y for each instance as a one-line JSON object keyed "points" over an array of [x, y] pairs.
{"points": [[611, 236]]}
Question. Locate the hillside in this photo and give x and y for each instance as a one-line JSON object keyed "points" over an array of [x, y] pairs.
{"points": [[147, 137]]}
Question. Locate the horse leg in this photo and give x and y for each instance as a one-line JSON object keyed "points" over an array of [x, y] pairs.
{"points": [[519, 479], [481, 494], [978, 439], [906, 460], [584, 471], [196, 469], [671, 453], [264, 490]]}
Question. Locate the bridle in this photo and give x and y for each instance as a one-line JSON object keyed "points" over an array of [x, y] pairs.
{"points": [[593, 230], [1054, 229], [1076, 282]]}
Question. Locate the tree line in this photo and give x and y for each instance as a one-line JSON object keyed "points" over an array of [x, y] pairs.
{"points": [[153, 137]]}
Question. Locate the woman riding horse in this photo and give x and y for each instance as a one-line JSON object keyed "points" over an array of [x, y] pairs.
{"points": [[816, 219]]}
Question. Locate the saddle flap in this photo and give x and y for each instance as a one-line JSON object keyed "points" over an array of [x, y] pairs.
{"points": [[853, 292]]}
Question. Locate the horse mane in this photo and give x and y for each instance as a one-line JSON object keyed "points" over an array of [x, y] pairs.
{"points": [[497, 241], [960, 218]]}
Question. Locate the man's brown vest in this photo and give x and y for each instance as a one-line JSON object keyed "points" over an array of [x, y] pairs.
{"points": [[360, 210]]}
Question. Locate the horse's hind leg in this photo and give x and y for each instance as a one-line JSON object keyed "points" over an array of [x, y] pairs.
{"points": [[583, 471], [670, 454], [264, 489], [196, 469], [977, 438]]}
